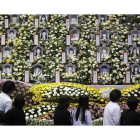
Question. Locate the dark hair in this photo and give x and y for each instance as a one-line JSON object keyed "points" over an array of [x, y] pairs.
{"points": [[134, 70], [8, 86], [7, 49], [104, 67], [115, 95], [71, 50], [64, 101], [132, 103], [19, 101], [7, 67], [83, 104], [11, 32], [39, 49], [42, 17], [43, 31]]}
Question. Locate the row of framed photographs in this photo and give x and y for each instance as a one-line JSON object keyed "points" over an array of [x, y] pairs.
{"points": [[104, 69], [43, 18]]}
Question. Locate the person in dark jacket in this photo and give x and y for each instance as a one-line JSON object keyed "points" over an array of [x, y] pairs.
{"points": [[62, 115], [130, 116], [16, 115]]}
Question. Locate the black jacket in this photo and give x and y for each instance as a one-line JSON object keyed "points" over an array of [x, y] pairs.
{"points": [[14, 116], [62, 117], [129, 117]]}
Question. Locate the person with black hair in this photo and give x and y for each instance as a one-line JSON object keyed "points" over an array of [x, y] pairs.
{"points": [[6, 52], [7, 69], [74, 35], [62, 115], [71, 53], [112, 112], [134, 52], [38, 52], [43, 19], [5, 100], [82, 115], [135, 70], [43, 35], [104, 71], [130, 116], [11, 34], [16, 115]]}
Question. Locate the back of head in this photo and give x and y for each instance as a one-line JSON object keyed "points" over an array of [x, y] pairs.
{"points": [[132, 103], [84, 105], [19, 101], [64, 102], [115, 95], [8, 86]]}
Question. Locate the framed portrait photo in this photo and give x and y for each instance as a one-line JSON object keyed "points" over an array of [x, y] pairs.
{"points": [[70, 69], [104, 70], [73, 20], [38, 69], [38, 51], [135, 34], [11, 34], [134, 51], [135, 69], [7, 51], [104, 34], [104, 52], [102, 18], [43, 18], [7, 68], [75, 35], [71, 51], [14, 19], [43, 34]]}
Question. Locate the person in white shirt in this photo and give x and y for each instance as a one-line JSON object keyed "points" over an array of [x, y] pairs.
{"points": [[5, 100], [74, 36], [104, 54], [112, 111], [82, 115], [11, 35], [136, 70]]}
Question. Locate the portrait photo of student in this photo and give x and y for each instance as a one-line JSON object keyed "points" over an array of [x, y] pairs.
{"points": [[11, 35], [38, 51], [74, 35], [43, 18], [104, 52], [73, 19], [38, 70], [135, 70], [7, 68], [104, 70], [71, 51], [44, 35], [104, 35], [135, 34], [14, 19], [102, 18], [6, 52], [135, 52], [70, 70]]}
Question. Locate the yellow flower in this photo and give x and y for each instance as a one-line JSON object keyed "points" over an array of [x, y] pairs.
{"points": [[15, 54], [8, 60], [19, 48], [12, 60]]}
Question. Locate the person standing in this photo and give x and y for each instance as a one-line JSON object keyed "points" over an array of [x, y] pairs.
{"points": [[130, 116], [112, 111], [16, 115], [82, 115], [62, 115], [5, 100]]}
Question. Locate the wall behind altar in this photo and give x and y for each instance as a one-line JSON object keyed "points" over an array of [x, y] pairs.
{"points": [[76, 45]]}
